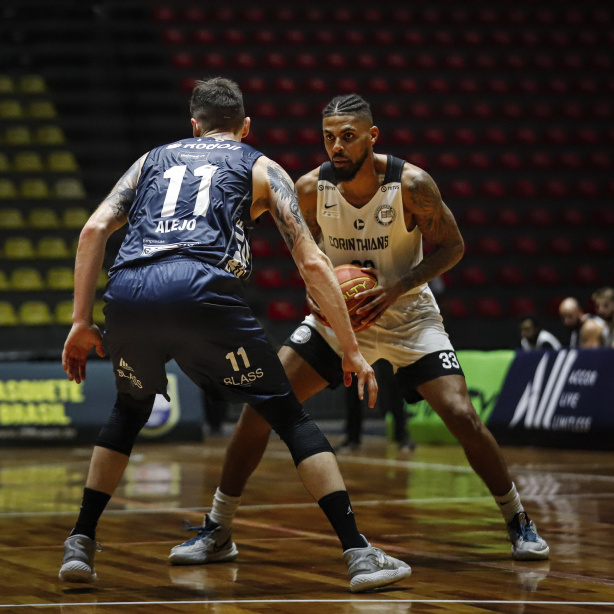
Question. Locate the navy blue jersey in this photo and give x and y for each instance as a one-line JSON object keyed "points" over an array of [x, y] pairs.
{"points": [[193, 198]]}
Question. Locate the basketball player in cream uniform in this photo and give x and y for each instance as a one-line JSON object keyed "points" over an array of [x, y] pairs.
{"points": [[374, 210]]}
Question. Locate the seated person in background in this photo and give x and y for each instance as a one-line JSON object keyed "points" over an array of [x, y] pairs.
{"points": [[533, 336], [586, 330], [604, 306]]}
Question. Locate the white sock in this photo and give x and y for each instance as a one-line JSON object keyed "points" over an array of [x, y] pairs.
{"points": [[510, 504], [224, 508]]}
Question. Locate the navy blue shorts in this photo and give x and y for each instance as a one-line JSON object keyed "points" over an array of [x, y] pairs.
{"points": [[183, 309]]}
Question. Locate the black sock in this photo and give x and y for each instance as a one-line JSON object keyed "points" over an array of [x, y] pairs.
{"points": [[339, 512], [92, 506]]}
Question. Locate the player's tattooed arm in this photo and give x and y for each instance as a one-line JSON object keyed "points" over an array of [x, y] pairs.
{"points": [[121, 197], [422, 199], [285, 209]]}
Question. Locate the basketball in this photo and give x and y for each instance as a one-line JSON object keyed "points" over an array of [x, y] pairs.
{"points": [[352, 280]]}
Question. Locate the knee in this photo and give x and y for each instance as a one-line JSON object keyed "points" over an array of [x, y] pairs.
{"points": [[128, 417], [461, 418]]}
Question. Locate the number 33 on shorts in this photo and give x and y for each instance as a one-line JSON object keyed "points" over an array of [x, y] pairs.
{"points": [[449, 360]]}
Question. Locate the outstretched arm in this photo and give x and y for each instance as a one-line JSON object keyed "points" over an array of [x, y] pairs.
{"points": [[274, 190], [110, 215]]}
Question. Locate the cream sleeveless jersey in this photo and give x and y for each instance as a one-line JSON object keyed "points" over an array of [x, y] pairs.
{"points": [[374, 235]]}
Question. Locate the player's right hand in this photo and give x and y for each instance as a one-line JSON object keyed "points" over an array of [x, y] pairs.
{"points": [[81, 339], [354, 362]]}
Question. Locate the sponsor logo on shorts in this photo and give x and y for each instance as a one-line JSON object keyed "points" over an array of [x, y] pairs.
{"points": [[124, 365], [133, 379], [301, 335]]}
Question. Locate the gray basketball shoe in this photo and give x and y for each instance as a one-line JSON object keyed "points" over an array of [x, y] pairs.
{"points": [[370, 568], [213, 544], [78, 563], [527, 545]]}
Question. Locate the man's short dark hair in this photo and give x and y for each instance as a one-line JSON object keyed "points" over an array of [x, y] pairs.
{"points": [[217, 104], [349, 104]]}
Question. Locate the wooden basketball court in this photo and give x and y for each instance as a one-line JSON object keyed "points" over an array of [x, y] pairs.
{"points": [[425, 507]]}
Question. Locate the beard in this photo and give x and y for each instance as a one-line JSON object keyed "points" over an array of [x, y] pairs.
{"points": [[350, 171]]}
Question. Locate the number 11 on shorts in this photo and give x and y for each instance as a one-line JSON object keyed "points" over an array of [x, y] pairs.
{"points": [[233, 359]]}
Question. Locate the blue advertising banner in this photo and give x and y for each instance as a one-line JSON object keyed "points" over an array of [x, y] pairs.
{"points": [[562, 399], [39, 406]]}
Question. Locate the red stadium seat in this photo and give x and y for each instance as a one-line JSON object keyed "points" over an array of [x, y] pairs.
{"points": [[510, 276], [468, 86], [203, 37], [495, 136], [417, 159], [269, 277], [282, 309], [294, 278], [586, 275], [254, 14], [264, 109], [290, 161], [384, 38], [511, 109], [324, 37], [378, 85], [481, 109], [406, 85], [454, 308], [525, 135], [389, 109], [182, 60], [475, 216], [447, 160], [309, 136], [244, 61], [546, 275], [396, 61], [597, 246], [297, 109], [460, 189], [510, 160], [401, 136], [306, 60], [214, 60], [335, 61], [285, 85], [264, 37], [464, 136], [294, 37], [433, 136], [489, 246], [451, 109], [234, 37], [489, 307], [163, 14], [254, 85], [521, 305], [508, 217], [353, 37], [346, 85], [173, 36], [560, 246], [604, 216], [421, 110], [261, 247], [225, 13], [539, 217], [526, 246], [368, 61], [194, 14], [492, 188], [478, 160], [572, 217], [524, 188], [587, 189], [276, 136], [275, 60], [555, 189]]}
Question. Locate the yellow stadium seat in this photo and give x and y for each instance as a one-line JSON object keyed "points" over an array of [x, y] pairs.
{"points": [[7, 86], [35, 313], [34, 189], [18, 248], [103, 278], [32, 84], [43, 217], [62, 162], [98, 312], [75, 217], [52, 248], [74, 246], [60, 278], [11, 109], [63, 313], [69, 188], [7, 189], [8, 317], [28, 162], [5, 284], [26, 279], [50, 135], [18, 135], [11, 219], [42, 109], [5, 165]]}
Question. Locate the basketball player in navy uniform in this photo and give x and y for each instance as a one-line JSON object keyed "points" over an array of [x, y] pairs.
{"points": [[374, 210], [175, 292]]}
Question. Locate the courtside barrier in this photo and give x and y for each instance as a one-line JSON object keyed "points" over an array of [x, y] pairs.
{"points": [[39, 406]]}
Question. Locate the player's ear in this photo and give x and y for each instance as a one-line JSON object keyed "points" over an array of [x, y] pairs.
{"points": [[195, 127], [374, 134], [246, 126]]}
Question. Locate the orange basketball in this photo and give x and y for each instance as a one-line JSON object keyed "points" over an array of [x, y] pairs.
{"points": [[354, 280]]}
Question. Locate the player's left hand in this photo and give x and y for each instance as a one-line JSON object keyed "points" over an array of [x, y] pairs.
{"points": [[81, 339], [378, 299]]}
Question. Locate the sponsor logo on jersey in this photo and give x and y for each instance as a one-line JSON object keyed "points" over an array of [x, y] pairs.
{"points": [[211, 146], [301, 335], [385, 214], [322, 187], [239, 263], [173, 146], [331, 210], [359, 245], [329, 206], [245, 379], [540, 399], [359, 224]]}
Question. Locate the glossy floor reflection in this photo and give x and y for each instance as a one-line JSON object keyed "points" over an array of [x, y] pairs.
{"points": [[426, 507]]}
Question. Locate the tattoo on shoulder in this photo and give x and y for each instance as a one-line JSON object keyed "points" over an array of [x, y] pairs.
{"points": [[287, 201], [122, 196], [424, 192]]}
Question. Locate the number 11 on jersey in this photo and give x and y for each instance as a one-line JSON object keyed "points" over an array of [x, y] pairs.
{"points": [[176, 174]]}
